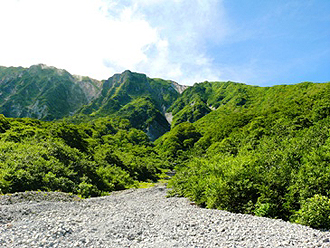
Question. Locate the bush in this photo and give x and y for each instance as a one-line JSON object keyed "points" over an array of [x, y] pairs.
{"points": [[315, 212], [86, 190], [265, 209], [4, 124]]}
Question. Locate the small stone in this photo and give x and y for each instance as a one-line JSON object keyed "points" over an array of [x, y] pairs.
{"points": [[9, 225]]}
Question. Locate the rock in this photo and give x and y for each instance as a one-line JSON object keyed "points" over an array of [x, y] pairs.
{"points": [[143, 218]]}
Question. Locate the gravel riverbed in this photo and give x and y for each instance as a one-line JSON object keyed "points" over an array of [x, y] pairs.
{"points": [[139, 218]]}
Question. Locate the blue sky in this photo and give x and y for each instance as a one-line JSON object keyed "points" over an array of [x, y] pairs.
{"points": [[277, 42], [251, 41]]}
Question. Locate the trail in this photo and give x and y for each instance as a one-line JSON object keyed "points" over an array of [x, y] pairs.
{"points": [[144, 218]]}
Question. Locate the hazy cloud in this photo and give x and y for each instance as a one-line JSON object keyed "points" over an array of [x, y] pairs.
{"points": [[187, 41], [98, 38]]}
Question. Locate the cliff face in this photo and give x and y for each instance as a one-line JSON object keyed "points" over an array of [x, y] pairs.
{"points": [[179, 88], [48, 93], [43, 92], [138, 98]]}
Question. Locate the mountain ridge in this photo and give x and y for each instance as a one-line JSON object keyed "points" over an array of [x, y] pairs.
{"points": [[43, 92], [48, 93]]}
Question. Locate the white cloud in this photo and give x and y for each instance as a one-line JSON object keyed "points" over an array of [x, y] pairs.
{"points": [[73, 34], [186, 26], [162, 38]]}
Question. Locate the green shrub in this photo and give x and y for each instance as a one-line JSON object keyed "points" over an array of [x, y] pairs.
{"points": [[87, 190], [265, 209], [89, 159], [114, 178], [315, 212], [4, 124]]}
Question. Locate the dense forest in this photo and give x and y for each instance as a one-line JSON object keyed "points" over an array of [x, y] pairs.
{"points": [[246, 149], [88, 159], [264, 151]]}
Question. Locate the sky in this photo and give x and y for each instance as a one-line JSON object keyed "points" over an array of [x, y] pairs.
{"points": [[249, 41]]}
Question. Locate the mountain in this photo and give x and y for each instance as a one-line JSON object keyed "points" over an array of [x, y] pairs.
{"points": [[218, 109], [48, 93], [203, 98], [136, 97], [260, 150], [44, 92]]}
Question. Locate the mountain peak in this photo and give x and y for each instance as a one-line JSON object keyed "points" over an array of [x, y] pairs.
{"points": [[127, 72], [41, 67]]}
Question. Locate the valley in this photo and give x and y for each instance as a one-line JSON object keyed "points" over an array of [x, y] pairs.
{"points": [[261, 151]]}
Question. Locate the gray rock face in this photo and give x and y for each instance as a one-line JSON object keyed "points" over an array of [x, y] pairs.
{"points": [[144, 218], [179, 88], [44, 92]]}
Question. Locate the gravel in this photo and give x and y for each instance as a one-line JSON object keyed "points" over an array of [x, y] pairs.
{"points": [[139, 218]]}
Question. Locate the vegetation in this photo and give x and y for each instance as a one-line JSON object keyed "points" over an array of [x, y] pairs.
{"points": [[42, 92], [268, 156], [315, 212], [89, 159], [246, 149], [136, 97]]}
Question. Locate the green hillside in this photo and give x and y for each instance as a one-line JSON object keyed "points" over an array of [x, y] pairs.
{"points": [[43, 92], [263, 151], [200, 100], [48, 93], [138, 98]]}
